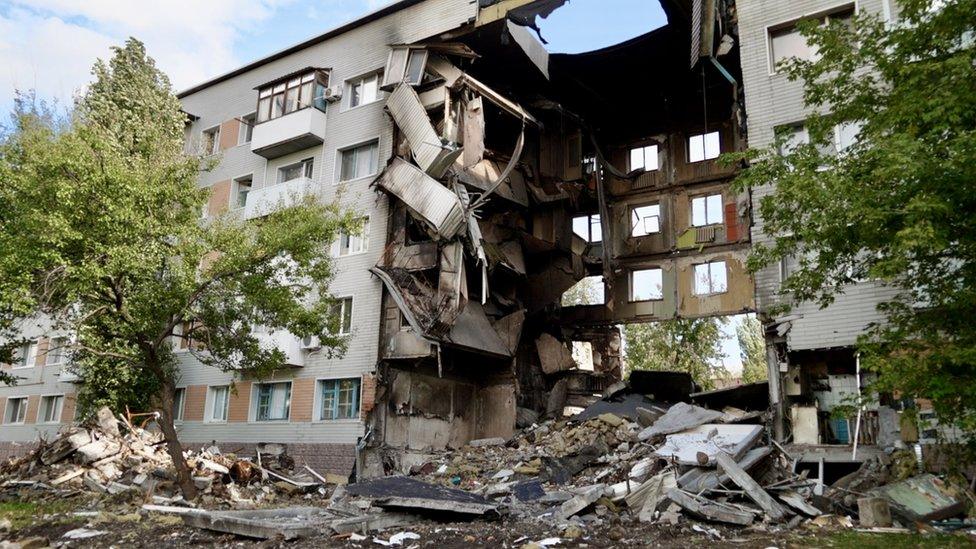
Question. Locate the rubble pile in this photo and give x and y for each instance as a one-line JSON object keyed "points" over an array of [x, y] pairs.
{"points": [[109, 456]]}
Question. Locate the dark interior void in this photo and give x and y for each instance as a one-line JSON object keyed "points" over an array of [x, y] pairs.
{"points": [[833, 471]]}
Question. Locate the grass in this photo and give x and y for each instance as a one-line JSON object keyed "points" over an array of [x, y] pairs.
{"points": [[869, 540], [24, 513]]}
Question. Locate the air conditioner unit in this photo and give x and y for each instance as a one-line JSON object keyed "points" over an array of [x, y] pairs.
{"points": [[332, 94], [311, 343]]}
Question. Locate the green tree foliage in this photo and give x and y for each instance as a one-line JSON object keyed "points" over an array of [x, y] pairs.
{"points": [[680, 344], [752, 349], [101, 234], [899, 206]]}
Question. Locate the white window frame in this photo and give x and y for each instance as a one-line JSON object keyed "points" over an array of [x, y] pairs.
{"points": [[215, 145], [376, 75], [308, 170], [792, 22], [594, 227], [211, 403], [6, 409], [632, 290], [705, 198], [241, 132], [31, 356], [712, 290], [651, 152], [361, 239], [690, 143], [341, 302], [40, 409], [640, 223], [340, 155], [256, 401], [394, 75], [52, 345], [180, 410], [235, 190], [318, 401]]}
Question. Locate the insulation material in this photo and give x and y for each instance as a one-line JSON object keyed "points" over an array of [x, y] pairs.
{"points": [[428, 149], [424, 196]]}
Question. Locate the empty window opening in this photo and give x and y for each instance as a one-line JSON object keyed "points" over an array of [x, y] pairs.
{"points": [[210, 141], [644, 158], [588, 291], [219, 399], [703, 147], [339, 398], [711, 278], [360, 161], [706, 210], [247, 128], [16, 411], [348, 244], [179, 399], [50, 411], [646, 285], [296, 170], [588, 227], [273, 401], [583, 355], [645, 220], [242, 186]]}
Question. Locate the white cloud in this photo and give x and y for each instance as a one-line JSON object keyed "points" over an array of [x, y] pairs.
{"points": [[50, 45]]}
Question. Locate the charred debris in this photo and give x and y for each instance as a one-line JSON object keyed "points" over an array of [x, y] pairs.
{"points": [[498, 148]]}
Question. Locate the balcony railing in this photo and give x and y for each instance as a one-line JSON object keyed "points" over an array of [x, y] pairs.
{"points": [[286, 134], [261, 202]]}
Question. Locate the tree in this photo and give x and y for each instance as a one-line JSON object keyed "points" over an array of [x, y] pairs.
{"points": [[897, 207], [752, 349], [101, 235], [588, 291], [680, 344]]}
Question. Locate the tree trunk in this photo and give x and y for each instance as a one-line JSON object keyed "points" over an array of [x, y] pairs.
{"points": [[183, 477]]}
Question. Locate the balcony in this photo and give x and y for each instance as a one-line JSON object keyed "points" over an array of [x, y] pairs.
{"points": [[286, 134], [68, 376], [285, 342], [263, 201]]}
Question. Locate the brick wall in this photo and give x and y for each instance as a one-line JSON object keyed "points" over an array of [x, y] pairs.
{"points": [[239, 407], [229, 130], [42, 346], [196, 398], [15, 449], [302, 399], [32, 403], [368, 395], [219, 198], [323, 457], [68, 407]]}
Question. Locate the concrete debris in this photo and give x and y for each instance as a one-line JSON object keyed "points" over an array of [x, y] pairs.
{"points": [[701, 445], [679, 417]]}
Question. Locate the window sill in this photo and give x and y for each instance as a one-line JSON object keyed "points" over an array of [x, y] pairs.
{"points": [[58, 422], [22, 367], [267, 421], [15, 423], [712, 294], [347, 421], [356, 179], [361, 105], [351, 254], [652, 300], [215, 421]]}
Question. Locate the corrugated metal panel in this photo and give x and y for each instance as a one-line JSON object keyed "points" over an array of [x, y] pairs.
{"points": [[424, 195], [407, 110]]}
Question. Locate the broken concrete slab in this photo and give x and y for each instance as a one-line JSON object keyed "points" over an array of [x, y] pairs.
{"points": [[921, 499], [627, 405], [709, 440], [287, 523], [798, 502], [773, 509], [679, 417], [581, 501], [708, 509], [418, 497], [873, 512], [553, 354], [700, 479]]}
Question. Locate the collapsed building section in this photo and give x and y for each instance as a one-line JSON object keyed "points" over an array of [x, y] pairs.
{"points": [[516, 174]]}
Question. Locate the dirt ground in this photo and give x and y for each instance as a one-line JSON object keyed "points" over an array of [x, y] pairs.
{"points": [[125, 525]]}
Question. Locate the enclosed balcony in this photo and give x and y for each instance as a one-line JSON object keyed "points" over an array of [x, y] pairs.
{"points": [[285, 342], [290, 113], [263, 201]]}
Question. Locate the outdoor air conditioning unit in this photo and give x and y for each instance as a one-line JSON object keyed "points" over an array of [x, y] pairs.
{"points": [[332, 94], [311, 343]]}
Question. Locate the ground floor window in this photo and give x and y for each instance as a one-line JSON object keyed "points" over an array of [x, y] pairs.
{"points": [[51, 409], [340, 398], [219, 397], [274, 401], [16, 411]]}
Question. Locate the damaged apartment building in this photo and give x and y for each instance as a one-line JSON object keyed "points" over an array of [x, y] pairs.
{"points": [[492, 177]]}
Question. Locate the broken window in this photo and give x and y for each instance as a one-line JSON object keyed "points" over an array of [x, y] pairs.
{"points": [[246, 130], [786, 42], [645, 220], [219, 399], [342, 311], [360, 161], [210, 141], [16, 411], [296, 170], [588, 227], [704, 146], [364, 90], [644, 158], [588, 291], [26, 355], [706, 210], [405, 65], [711, 278], [339, 398], [646, 285], [348, 244], [51, 409], [291, 94], [273, 402], [179, 399]]}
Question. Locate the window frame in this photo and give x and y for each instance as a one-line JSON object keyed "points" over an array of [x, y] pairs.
{"points": [[593, 220], [246, 136], [633, 226], [281, 88], [319, 399], [40, 409], [179, 396], [235, 191], [711, 289], [389, 78], [29, 360], [643, 148], [6, 409], [215, 144], [361, 79], [705, 197], [340, 159], [631, 295], [704, 146], [62, 359], [845, 7], [256, 405], [341, 302], [211, 403], [308, 170], [362, 239]]}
